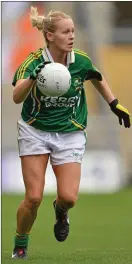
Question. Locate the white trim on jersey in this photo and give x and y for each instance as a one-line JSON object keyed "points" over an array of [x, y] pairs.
{"points": [[47, 56]]}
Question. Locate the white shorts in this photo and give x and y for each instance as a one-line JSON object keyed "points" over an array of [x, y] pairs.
{"points": [[62, 147]]}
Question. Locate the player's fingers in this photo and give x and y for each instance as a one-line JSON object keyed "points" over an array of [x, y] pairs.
{"points": [[38, 70], [120, 121], [41, 65], [47, 62], [127, 122]]}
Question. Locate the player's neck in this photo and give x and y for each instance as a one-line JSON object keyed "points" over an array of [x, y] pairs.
{"points": [[58, 56]]}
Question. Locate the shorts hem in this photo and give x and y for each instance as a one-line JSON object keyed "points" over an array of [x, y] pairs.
{"points": [[31, 154], [64, 162]]}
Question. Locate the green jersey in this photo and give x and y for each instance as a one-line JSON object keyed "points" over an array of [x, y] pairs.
{"points": [[65, 113]]}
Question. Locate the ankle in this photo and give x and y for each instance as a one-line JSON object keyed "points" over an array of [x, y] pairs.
{"points": [[21, 240]]}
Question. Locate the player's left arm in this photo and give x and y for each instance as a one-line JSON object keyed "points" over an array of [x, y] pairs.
{"points": [[104, 89]]}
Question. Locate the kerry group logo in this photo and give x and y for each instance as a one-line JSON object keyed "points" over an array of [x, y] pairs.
{"points": [[59, 101]]}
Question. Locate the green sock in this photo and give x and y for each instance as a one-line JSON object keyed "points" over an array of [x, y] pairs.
{"points": [[21, 240]]}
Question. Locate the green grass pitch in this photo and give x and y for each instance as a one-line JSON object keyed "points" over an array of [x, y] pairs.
{"points": [[100, 231]]}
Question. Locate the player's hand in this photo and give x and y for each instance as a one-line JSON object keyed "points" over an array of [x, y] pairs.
{"points": [[35, 72], [121, 112]]}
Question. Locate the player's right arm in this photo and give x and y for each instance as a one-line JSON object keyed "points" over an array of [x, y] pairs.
{"points": [[22, 89], [24, 79]]}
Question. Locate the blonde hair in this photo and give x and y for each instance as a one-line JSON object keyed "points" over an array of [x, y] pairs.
{"points": [[46, 23]]}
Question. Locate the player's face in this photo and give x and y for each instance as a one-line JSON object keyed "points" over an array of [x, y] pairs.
{"points": [[63, 37]]}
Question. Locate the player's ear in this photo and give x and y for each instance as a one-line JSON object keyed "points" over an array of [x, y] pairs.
{"points": [[50, 36]]}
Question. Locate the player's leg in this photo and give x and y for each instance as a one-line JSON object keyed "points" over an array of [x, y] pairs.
{"points": [[33, 169], [68, 180], [66, 162]]}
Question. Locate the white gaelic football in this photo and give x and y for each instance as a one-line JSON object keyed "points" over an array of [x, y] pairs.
{"points": [[54, 79]]}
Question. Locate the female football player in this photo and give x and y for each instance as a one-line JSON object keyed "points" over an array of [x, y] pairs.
{"points": [[54, 130]]}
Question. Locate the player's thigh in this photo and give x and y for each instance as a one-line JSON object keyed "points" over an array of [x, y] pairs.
{"points": [[33, 170], [68, 179]]}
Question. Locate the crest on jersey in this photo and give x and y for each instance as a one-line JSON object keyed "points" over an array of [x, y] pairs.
{"points": [[78, 83]]}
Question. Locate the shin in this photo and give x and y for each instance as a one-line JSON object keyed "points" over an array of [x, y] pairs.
{"points": [[26, 214]]}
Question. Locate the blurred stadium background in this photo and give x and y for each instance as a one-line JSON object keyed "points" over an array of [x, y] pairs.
{"points": [[104, 31]]}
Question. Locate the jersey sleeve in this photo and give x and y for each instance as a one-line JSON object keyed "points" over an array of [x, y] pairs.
{"points": [[91, 71], [24, 70]]}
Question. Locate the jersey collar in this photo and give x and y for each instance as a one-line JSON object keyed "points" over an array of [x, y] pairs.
{"points": [[47, 56]]}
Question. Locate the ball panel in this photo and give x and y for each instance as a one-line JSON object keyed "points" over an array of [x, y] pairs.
{"points": [[54, 79]]}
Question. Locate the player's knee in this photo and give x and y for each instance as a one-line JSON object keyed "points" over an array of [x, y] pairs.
{"points": [[33, 201], [68, 200]]}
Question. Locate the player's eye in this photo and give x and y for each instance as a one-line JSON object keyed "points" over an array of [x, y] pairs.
{"points": [[66, 31]]}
